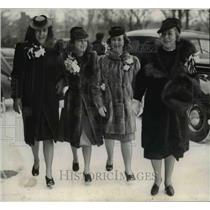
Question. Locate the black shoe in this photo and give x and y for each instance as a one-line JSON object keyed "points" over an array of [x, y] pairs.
{"points": [[75, 166], [129, 177], [35, 171], [155, 189], [87, 178], [49, 182], [169, 190], [109, 167]]}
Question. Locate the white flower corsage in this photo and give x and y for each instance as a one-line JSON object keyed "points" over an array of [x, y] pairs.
{"points": [[127, 64], [72, 65], [103, 87], [35, 51], [190, 65]]}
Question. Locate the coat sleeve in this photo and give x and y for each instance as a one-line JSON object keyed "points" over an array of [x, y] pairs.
{"points": [[140, 85], [17, 72], [187, 53], [137, 67], [61, 77], [96, 84]]}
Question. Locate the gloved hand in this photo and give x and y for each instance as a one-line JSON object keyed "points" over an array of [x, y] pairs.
{"points": [[102, 111], [137, 107], [59, 87]]}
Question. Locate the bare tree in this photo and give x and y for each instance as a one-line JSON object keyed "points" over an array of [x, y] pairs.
{"points": [[141, 17], [187, 12], [168, 13], [204, 16]]}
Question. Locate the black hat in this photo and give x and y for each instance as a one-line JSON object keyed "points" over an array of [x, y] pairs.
{"points": [[78, 33], [99, 36], [39, 22], [116, 31], [170, 23]]}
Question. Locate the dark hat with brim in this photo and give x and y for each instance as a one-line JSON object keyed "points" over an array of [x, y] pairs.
{"points": [[39, 22], [116, 31], [99, 35], [170, 23], [78, 33]]}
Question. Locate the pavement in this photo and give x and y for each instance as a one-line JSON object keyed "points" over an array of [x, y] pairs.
{"points": [[190, 179]]}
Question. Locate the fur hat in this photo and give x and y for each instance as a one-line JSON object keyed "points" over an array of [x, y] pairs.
{"points": [[170, 23], [40, 22], [116, 31], [78, 33]]}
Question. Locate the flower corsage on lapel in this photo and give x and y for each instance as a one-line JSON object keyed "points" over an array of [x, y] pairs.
{"points": [[71, 65], [35, 51], [103, 86], [127, 63]]}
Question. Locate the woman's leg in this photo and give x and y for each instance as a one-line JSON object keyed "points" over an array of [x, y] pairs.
{"points": [[86, 150], [156, 164], [126, 148], [48, 150], [169, 166], [110, 150], [75, 156], [35, 151]]}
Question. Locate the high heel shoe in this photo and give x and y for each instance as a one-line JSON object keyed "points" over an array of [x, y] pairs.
{"points": [[155, 189], [49, 182], [169, 190], [129, 177], [35, 171], [75, 166], [109, 167], [87, 178]]}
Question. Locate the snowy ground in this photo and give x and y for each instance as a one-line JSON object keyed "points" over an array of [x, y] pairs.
{"points": [[191, 175]]}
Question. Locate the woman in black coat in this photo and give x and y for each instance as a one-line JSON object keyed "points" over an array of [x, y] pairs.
{"points": [[79, 125], [37, 68], [169, 85]]}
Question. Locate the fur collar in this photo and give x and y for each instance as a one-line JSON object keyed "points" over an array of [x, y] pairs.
{"points": [[156, 67], [115, 56]]}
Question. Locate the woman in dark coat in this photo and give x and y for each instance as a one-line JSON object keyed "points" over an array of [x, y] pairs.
{"points": [[113, 96], [37, 68], [79, 117], [169, 85]]}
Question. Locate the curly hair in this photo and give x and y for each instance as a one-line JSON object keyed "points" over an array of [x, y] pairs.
{"points": [[127, 43], [31, 38]]}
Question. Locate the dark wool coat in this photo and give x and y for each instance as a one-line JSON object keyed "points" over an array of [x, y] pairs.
{"points": [[118, 94], [34, 82], [169, 92], [78, 102]]}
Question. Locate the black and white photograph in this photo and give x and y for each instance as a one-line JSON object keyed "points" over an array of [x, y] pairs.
{"points": [[105, 104]]}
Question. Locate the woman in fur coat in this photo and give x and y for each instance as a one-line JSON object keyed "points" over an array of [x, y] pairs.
{"points": [[170, 87], [78, 123], [113, 97]]}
